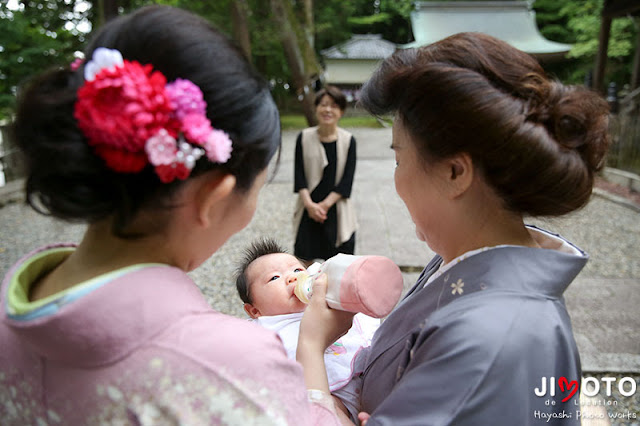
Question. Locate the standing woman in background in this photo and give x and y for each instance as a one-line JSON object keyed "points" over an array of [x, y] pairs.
{"points": [[325, 163]]}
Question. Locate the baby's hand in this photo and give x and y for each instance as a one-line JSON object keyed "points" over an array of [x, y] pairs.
{"points": [[321, 326]]}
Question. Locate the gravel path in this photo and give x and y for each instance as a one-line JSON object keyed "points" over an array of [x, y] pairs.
{"points": [[609, 232]]}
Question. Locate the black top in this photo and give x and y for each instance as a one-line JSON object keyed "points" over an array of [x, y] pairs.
{"points": [[315, 240]]}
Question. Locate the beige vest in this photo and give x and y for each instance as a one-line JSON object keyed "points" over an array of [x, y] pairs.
{"points": [[315, 160]]}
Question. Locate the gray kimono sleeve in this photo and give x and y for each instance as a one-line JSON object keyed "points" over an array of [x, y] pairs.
{"points": [[477, 365]]}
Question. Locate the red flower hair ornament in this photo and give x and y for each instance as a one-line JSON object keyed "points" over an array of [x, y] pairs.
{"points": [[132, 117]]}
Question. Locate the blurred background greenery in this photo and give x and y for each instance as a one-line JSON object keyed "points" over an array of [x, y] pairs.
{"points": [[35, 35], [284, 40]]}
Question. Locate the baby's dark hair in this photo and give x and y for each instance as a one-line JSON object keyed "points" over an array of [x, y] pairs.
{"points": [[258, 248], [66, 179]]}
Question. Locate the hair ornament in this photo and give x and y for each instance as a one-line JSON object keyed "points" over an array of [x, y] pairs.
{"points": [[133, 118], [77, 63], [102, 58]]}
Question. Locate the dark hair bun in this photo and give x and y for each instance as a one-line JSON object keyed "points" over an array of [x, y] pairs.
{"points": [[581, 123], [68, 180], [557, 149], [65, 178], [537, 142]]}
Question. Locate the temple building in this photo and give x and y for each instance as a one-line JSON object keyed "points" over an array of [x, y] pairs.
{"points": [[350, 64], [510, 21]]}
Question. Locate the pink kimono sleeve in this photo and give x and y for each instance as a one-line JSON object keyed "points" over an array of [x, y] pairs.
{"points": [[251, 360]]}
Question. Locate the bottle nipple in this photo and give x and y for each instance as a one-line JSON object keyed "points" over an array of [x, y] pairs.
{"points": [[303, 286]]}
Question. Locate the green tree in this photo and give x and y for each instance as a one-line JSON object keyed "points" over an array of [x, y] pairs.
{"points": [[584, 21], [332, 22], [35, 36], [44, 33], [551, 23], [301, 58], [578, 22], [337, 20], [391, 18]]}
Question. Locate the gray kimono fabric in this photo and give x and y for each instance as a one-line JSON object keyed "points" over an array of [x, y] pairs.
{"points": [[472, 346]]}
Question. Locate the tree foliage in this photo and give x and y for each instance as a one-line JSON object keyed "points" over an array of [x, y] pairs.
{"points": [[35, 36], [391, 18], [578, 22], [43, 33]]}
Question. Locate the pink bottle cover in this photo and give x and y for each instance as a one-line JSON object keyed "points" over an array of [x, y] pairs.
{"points": [[368, 284]]}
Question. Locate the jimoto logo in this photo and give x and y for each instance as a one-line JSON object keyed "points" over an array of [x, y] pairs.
{"points": [[590, 386], [589, 398]]}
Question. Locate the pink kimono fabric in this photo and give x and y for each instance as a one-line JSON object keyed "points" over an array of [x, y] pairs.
{"points": [[146, 348]]}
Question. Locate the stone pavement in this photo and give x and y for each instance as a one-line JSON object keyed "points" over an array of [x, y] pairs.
{"points": [[603, 302]]}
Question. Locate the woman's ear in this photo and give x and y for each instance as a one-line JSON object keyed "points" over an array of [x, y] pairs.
{"points": [[461, 172], [251, 310], [212, 194]]}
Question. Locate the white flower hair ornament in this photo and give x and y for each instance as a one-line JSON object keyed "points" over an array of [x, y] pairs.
{"points": [[132, 118], [103, 58]]}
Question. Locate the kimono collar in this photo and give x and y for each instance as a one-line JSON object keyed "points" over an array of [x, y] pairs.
{"points": [[545, 239], [534, 272], [546, 271], [111, 321]]}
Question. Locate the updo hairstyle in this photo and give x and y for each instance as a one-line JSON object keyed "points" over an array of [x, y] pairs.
{"points": [[68, 180], [536, 141]]}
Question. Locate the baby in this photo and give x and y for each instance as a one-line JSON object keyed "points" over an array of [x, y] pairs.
{"points": [[266, 280]]}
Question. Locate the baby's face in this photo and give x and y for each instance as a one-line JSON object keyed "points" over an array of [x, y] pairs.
{"points": [[272, 279]]}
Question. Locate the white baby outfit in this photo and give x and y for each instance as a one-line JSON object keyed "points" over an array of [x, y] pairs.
{"points": [[338, 358]]}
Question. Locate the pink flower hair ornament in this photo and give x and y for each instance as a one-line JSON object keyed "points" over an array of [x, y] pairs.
{"points": [[77, 63], [132, 118]]}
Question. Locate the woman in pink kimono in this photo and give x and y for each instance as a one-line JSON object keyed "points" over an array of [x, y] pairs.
{"points": [[160, 141], [482, 138]]}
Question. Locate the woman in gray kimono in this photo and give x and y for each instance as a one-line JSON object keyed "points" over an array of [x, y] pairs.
{"points": [[482, 138]]}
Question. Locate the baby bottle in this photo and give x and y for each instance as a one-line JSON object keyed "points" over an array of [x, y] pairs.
{"points": [[368, 284]]}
